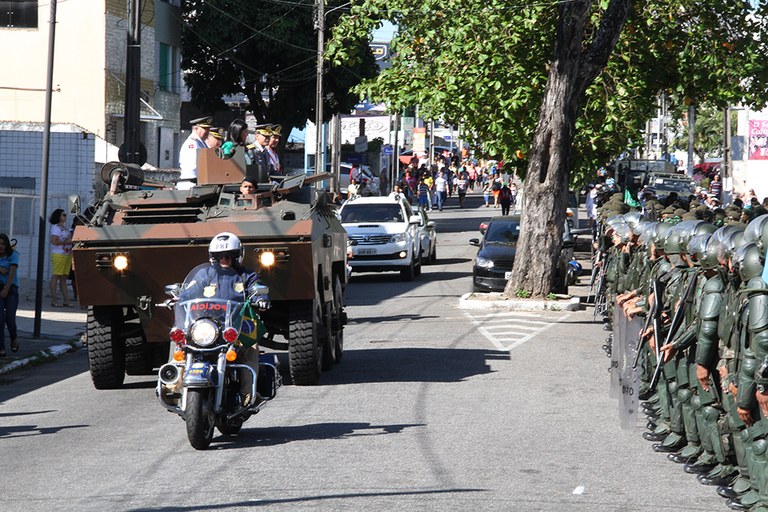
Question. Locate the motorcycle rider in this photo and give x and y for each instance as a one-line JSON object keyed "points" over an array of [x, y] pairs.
{"points": [[227, 279]]}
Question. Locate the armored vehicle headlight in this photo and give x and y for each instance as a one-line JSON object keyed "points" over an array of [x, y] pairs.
{"points": [[267, 258], [120, 262], [203, 332]]}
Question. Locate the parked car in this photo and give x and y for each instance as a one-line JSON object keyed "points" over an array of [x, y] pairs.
{"points": [[428, 235], [495, 257], [384, 235]]}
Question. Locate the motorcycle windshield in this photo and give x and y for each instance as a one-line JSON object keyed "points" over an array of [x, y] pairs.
{"points": [[206, 294]]}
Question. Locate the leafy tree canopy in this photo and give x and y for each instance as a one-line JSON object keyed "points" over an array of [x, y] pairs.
{"points": [[266, 49], [485, 63]]}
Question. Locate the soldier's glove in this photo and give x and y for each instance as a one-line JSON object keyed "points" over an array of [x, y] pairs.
{"points": [[261, 302]]}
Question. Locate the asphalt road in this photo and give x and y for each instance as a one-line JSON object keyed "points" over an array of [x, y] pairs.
{"points": [[425, 412]]}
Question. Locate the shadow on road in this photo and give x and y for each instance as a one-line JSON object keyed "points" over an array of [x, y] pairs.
{"points": [[410, 365], [302, 499], [312, 432]]}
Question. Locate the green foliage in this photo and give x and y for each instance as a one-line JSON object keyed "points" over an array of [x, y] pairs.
{"points": [[485, 63], [551, 296], [267, 49], [522, 294]]}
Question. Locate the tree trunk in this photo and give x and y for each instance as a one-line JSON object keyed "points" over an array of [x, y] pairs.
{"points": [[545, 190]]}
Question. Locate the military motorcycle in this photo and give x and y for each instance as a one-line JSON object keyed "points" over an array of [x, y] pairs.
{"points": [[217, 378]]}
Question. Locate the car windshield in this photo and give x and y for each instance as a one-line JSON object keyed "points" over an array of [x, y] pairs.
{"points": [[372, 213], [502, 232], [673, 186]]}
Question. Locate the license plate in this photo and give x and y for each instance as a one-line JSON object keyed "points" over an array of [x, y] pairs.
{"points": [[199, 370], [508, 275], [366, 252]]}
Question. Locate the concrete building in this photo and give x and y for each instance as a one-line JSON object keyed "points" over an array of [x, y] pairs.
{"points": [[87, 101]]}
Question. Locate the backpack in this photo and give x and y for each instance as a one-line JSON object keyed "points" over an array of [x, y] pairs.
{"points": [[496, 186], [505, 194]]}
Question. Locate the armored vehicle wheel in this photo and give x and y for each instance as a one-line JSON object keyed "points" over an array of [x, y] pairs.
{"points": [[305, 352], [409, 272], [199, 417], [140, 357], [337, 322], [106, 346]]}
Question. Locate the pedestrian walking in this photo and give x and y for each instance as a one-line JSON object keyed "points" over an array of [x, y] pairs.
{"points": [[505, 199], [9, 293], [441, 189]]}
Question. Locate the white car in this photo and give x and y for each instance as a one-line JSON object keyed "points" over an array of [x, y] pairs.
{"points": [[428, 235], [384, 235]]}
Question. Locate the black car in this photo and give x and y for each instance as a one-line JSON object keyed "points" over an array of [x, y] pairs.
{"points": [[495, 257]]}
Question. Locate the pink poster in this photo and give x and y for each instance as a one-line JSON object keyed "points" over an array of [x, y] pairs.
{"points": [[758, 139]]}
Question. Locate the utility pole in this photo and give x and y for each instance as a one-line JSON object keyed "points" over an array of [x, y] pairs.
{"points": [[41, 227], [320, 25], [132, 150], [727, 180], [691, 137]]}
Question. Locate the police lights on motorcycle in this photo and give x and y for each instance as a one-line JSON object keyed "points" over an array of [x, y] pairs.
{"points": [[267, 258], [203, 332], [229, 334], [120, 262], [177, 335]]}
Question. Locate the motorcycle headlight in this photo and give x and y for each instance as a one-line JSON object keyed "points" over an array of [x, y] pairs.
{"points": [[400, 237], [483, 262], [203, 332]]}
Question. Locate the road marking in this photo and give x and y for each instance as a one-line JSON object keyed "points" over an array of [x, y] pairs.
{"points": [[508, 323]]}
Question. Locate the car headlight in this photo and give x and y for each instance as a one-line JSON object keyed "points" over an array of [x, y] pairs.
{"points": [[203, 332], [483, 262], [400, 237]]}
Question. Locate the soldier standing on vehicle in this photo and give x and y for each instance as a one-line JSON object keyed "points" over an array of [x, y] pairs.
{"points": [[272, 157], [188, 152], [259, 170]]}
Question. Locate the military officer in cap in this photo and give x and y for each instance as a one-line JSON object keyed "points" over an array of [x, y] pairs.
{"points": [[188, 152], [259, 170], [272, 157]]}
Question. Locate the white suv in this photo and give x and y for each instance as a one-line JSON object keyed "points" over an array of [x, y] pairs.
{"points": [[384, 235]]}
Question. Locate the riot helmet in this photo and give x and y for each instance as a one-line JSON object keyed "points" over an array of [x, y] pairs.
{"points": [[623, 232], [746, 260], [697, 246], [754, 231], [732, 237], [226, 244], [633, 219], [708, 258], [660, 234], [694, 228]]}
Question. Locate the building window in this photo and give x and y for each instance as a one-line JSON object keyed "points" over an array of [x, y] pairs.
{"points": [[18, 13], [168, 78]]}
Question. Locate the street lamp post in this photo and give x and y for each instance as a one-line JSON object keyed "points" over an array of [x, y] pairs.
{"points": [[319, 87]]}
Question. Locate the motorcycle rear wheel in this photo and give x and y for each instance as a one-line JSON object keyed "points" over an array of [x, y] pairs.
{"points": [[200, 418]]}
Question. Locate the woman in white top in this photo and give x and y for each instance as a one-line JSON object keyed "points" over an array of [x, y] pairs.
{"points": [[61, 256]]}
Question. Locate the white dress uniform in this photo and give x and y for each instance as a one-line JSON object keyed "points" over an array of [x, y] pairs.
{"points": [[188, 161]]}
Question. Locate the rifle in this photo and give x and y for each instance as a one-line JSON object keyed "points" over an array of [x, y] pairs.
{"points": [[677, 319], [657, 288], [595, 271]]}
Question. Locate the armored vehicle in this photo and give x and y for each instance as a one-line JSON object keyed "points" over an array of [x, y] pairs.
{"points": [[144, 235]]}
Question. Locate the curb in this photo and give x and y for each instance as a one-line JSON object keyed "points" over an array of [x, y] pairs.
{"points": [[42, 356], [493, 300]]}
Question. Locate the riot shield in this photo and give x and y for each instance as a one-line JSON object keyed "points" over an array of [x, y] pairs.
{"points": [[619, 319], [630, 375]]}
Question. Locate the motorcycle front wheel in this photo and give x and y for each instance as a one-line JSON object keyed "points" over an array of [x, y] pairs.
{"points": [[200, 418]]}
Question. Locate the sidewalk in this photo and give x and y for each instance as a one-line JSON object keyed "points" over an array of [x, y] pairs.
{"points": [[61, 330]]}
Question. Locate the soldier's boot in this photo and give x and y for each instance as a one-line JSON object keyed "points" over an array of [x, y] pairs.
{"points": [[676, 424], [757, 456]]}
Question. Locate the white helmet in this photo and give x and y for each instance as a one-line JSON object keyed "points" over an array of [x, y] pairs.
{"points": [[225, 243]]}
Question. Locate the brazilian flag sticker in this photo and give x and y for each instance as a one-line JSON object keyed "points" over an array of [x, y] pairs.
{"points": [[252, 328]]}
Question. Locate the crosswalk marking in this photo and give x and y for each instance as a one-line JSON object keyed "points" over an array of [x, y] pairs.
{"points": [[504, 329]]}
